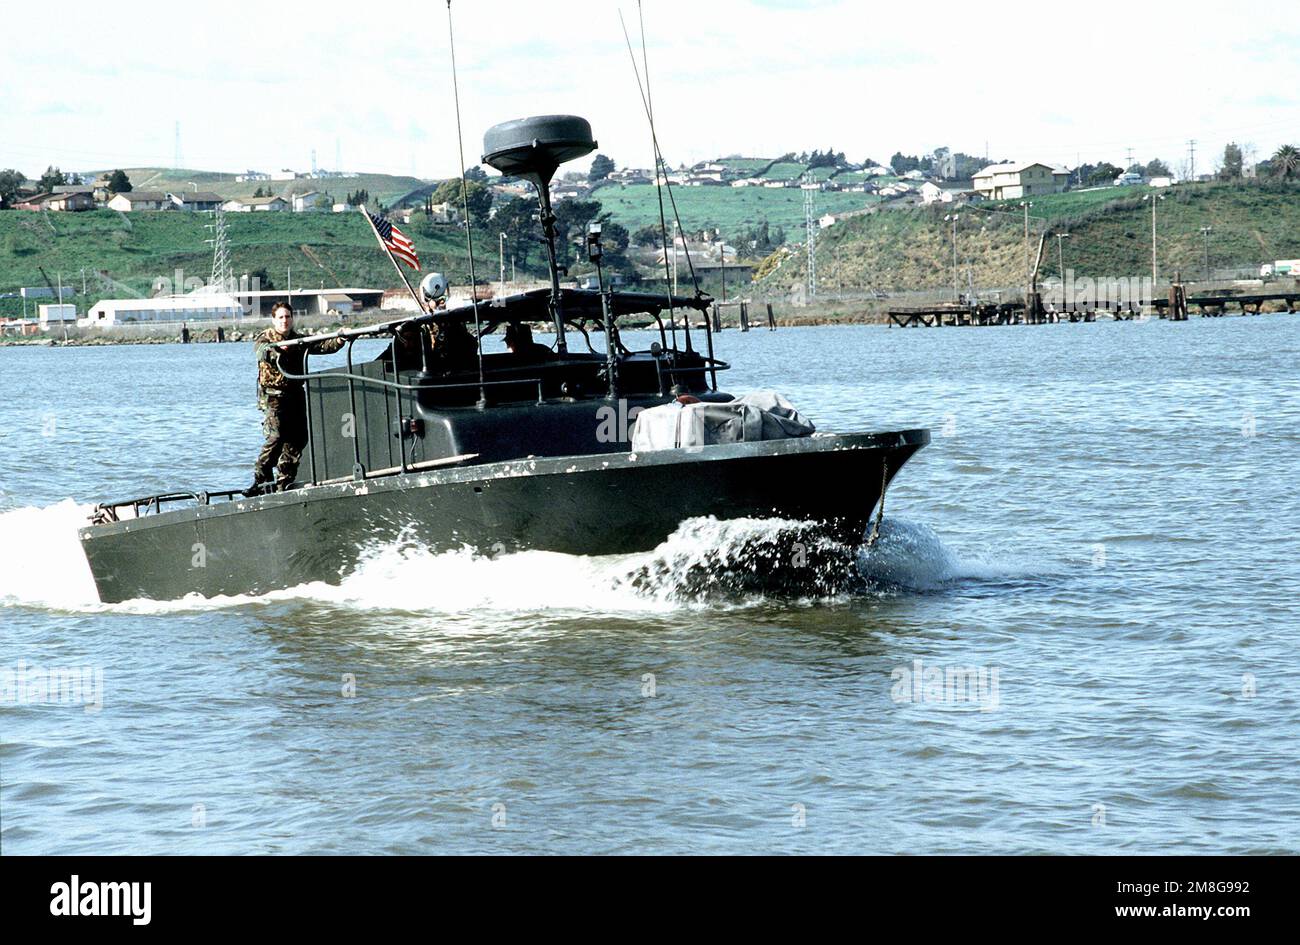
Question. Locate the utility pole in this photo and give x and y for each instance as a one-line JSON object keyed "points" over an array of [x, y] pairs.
{"points": [[810, 225], [1060, 255], [1028, 276], [956, 292], [722, 258], [1205, 232], [1191, 159]]}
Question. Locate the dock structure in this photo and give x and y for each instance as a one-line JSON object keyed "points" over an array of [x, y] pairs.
{"points": [[1174, 308], [1214, 306]]}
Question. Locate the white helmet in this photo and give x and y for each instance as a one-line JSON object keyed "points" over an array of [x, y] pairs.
{"points": [[434, 286]]}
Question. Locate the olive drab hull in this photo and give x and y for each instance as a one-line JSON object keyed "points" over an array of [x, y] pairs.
{"points": [[584, 505]]}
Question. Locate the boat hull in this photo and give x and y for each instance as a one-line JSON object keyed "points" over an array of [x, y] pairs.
{"points": [[589, 505]]}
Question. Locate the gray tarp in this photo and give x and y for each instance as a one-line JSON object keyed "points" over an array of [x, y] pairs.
{"points": [[762, 415]]}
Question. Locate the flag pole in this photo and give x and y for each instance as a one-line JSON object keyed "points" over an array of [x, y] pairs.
{"points": [[396, 265]]}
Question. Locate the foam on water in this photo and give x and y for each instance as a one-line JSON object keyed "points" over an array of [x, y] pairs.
{"points": [[704, 563]]}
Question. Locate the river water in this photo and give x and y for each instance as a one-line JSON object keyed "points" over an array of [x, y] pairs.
{"points": [[1078, 632]]}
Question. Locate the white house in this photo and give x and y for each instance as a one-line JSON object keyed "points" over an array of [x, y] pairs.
{"points": [[308, 202], [140, 200], [251, 204]]}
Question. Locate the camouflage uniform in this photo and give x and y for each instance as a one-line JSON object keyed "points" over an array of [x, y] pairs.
{"points": [[281, 401]]}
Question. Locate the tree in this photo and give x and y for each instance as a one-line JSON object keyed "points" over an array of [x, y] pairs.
{"points": [[1104, 173], [475, 173], [1285, 162], [10, 181], [53, 177], [572, 217], [517, 219], [647, 236], [601, 168], [614, 237], [1158, 168], [477, 195], [118, 182], [1232, 162], [902, 163]]}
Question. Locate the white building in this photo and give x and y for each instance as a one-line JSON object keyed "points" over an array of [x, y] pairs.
{"points": [[307, 203], [251, 204], [56, 315], [140, 200], [162, 310]]}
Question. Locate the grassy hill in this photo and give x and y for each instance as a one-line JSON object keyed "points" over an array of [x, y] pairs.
{"points": [[383, 187], [135, 249], [1110, 236], [730, 208]]}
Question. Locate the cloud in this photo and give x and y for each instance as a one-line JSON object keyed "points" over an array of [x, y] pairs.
{"points": [[263, 84]]}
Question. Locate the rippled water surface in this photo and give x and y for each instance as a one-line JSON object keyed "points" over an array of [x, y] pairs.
{"points": [[1103, 531]]}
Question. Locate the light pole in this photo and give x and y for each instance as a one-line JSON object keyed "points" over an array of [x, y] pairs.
{"points": [[1155, 271], [1205, 231], [956, 294], [1029, 279]]}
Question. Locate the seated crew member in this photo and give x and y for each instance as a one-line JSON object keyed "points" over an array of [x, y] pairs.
{"points": [[519, 339], [281, 399], [454, 348], [407, 340]]}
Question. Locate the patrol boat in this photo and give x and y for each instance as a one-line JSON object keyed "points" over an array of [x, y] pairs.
{"points": [[505, 453]]}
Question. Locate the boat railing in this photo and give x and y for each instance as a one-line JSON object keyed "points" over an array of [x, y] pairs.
{"points": [[107, 512]]}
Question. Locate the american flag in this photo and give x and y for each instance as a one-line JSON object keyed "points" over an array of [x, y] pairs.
{"points": [[395, 241]]}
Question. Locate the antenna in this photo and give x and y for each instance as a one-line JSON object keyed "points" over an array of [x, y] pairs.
{"points": [[1191, 159], [667, 184], [661, 177], [464, 198]]}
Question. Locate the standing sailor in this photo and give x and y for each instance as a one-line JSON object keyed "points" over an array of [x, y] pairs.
{"points": [[282, 401]]}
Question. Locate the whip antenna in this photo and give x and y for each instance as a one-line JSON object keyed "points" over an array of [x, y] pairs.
{"points": [[661, 172], [464, 199]]}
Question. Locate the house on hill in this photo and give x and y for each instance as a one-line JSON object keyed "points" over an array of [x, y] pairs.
{"points": [[254, 204], [140, 200], [196, 201], [1013, 181], [69, 200], [946, 192]]}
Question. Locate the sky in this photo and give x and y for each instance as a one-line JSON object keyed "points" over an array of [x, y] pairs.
{"points": [[258, 87]]}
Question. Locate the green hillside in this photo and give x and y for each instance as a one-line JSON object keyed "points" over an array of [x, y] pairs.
{"points": [[729, 208], [1110, 236], [135, 249]]}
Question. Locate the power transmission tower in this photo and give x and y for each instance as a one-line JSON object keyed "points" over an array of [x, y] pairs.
{"points": [[1191, 159], [810, 224], [1129, 165], [222, 279], [313, 163]]}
